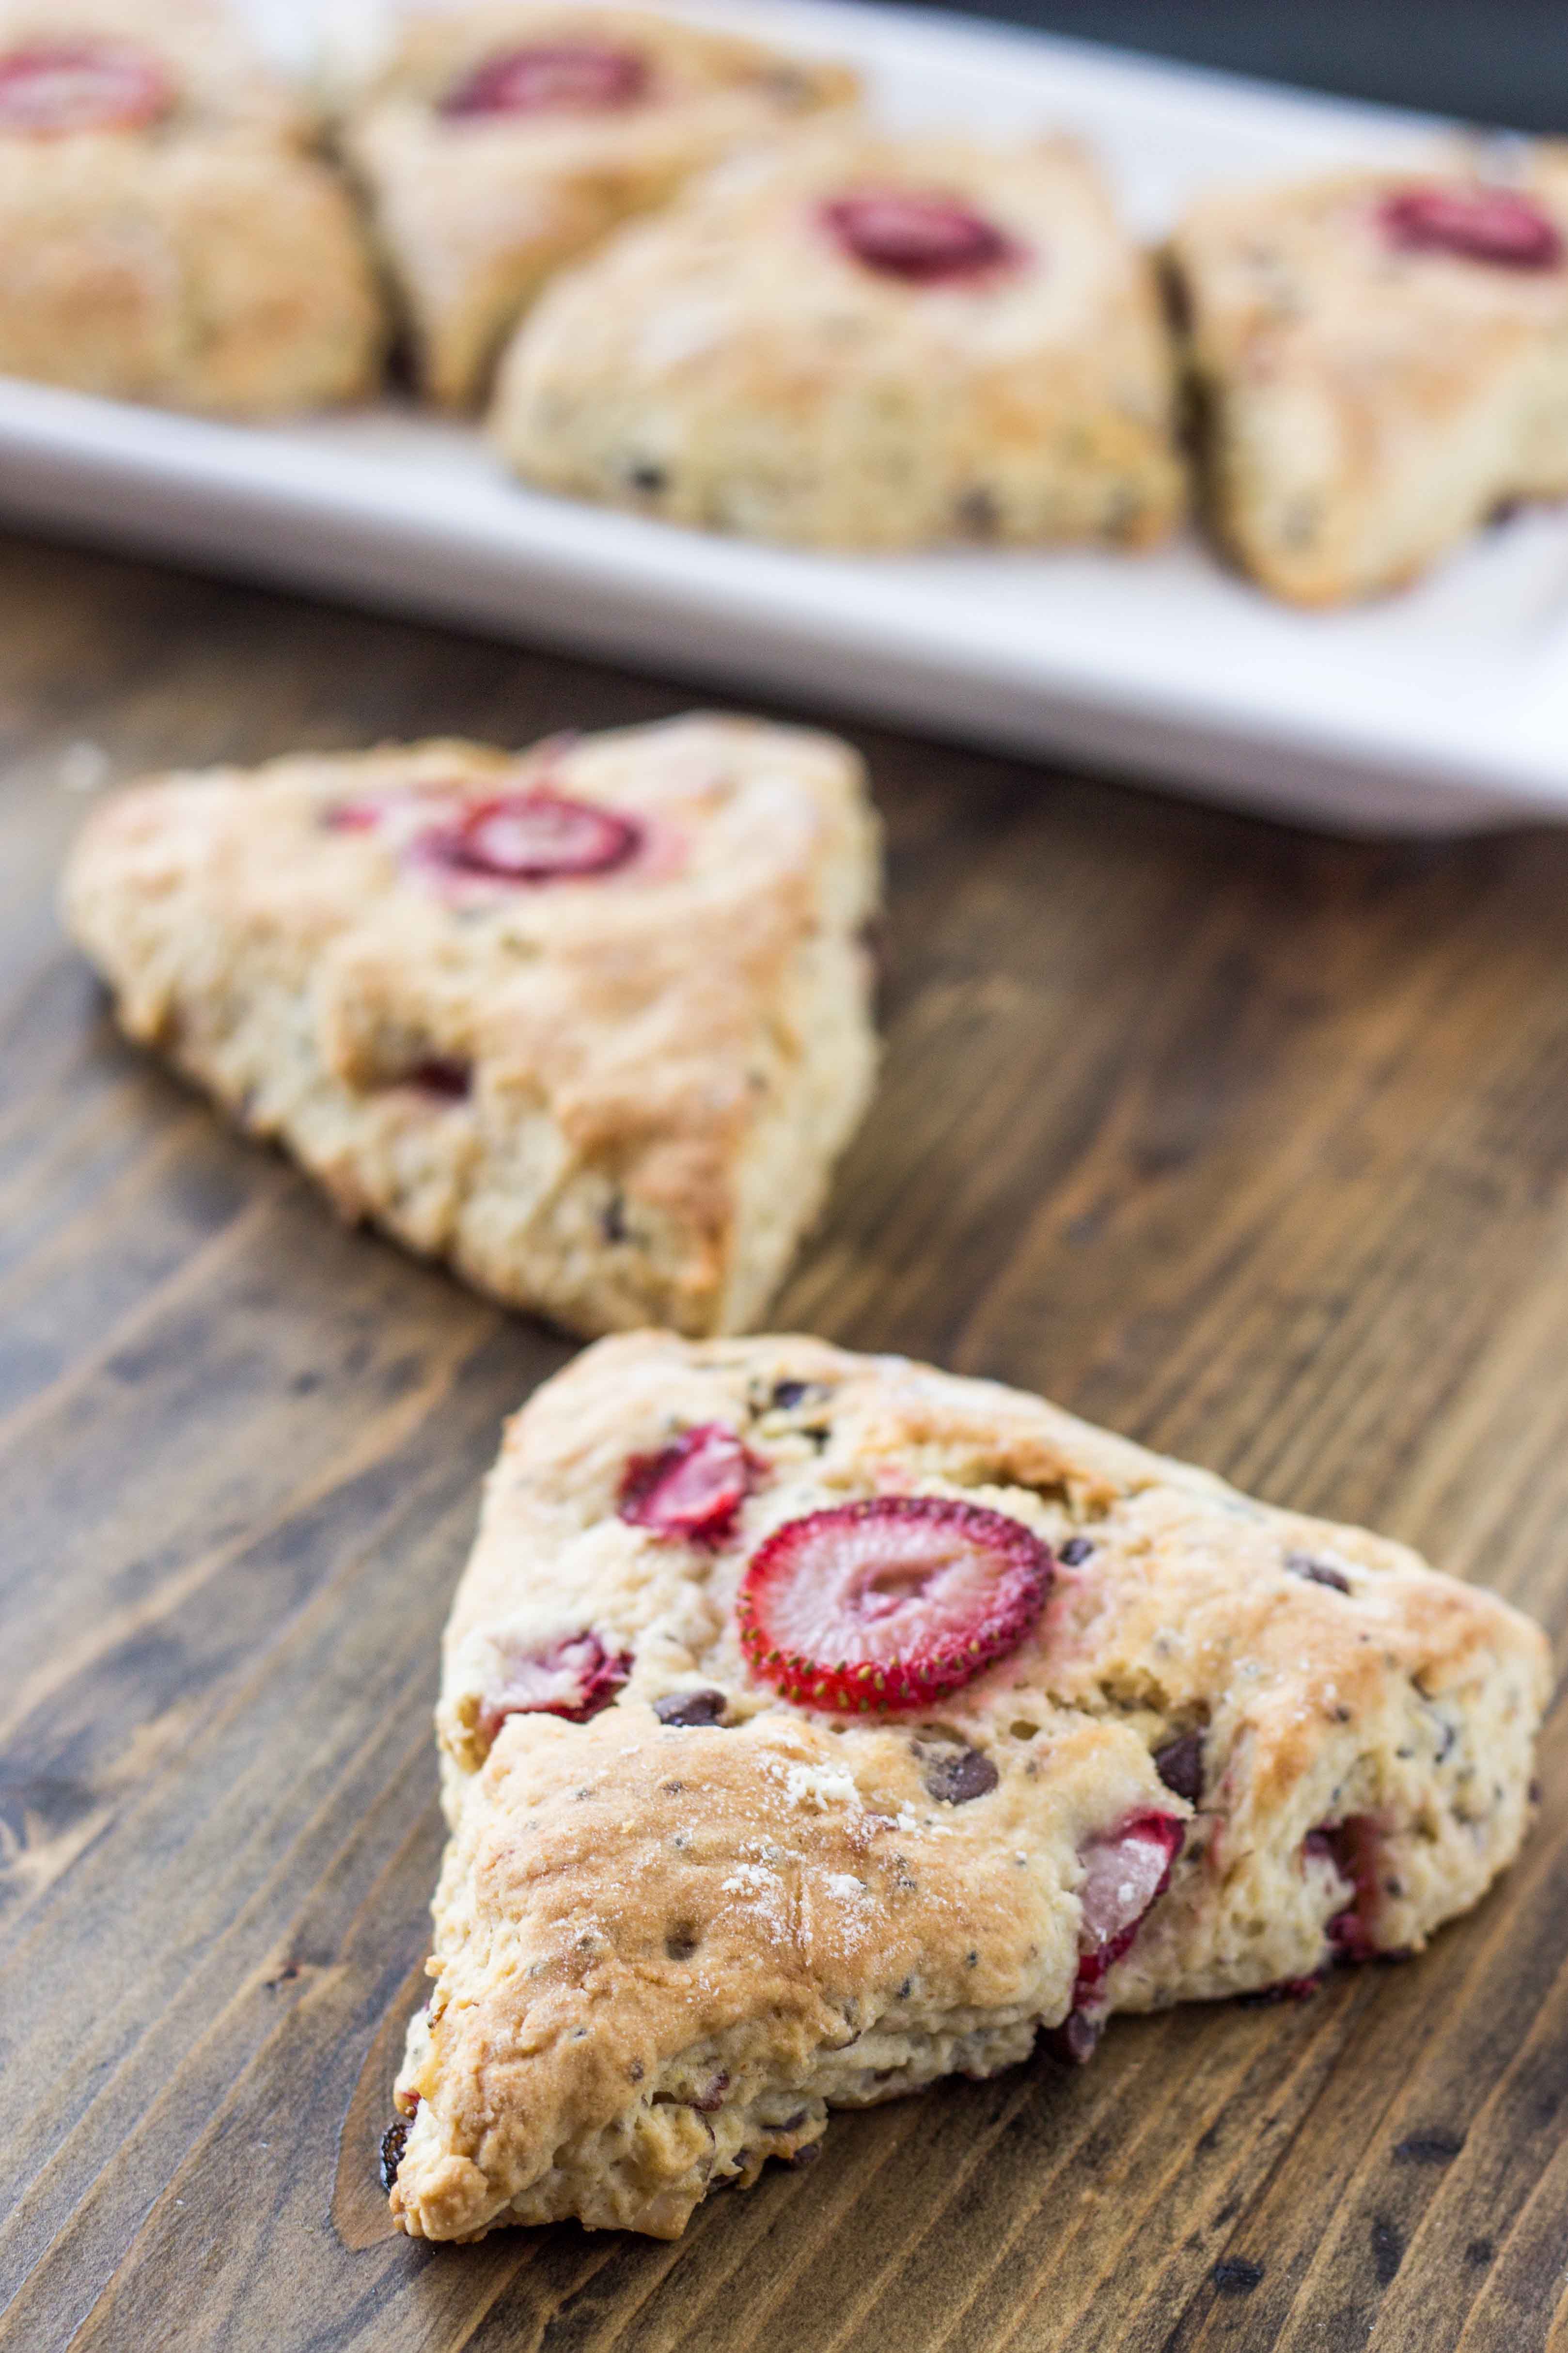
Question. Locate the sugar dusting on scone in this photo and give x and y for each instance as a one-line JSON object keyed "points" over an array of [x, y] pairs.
{"points": [[814, 1726], [163, 233], [591, 1022], [501, 140], [1380, 362], [862, 342]]}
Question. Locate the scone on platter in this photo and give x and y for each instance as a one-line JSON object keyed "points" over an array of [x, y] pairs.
{"points": [[591, 1021], [813, 1725], [165, 236], [1380, 362], [501, 140], [858, 342]]}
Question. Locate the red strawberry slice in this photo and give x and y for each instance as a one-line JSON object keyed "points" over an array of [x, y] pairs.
{"points": [[53, 88], [1124, 1873], [549, 77], [921, 236], [575, 1678], [889, 1603], [693, 1489], [530, 837], [1351, 1846], [1495, 225]]}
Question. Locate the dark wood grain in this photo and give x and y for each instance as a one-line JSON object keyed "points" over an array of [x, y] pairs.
{"points": [[1253, 1146]]}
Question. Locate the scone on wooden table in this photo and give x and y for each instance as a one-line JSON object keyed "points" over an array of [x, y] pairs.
{"points": [[813, 1725], [165, 236], [862, 342], [591, 1022], [501, 140], [1380, 362]]}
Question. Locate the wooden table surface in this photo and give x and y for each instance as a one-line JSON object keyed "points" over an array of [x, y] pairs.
{"points": [[1251, 1144]]}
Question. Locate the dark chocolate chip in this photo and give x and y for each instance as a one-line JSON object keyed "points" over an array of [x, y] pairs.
{"points": [[1075, 2041], [793, 2124], [682, 1943], [393, 2140], [1077, 1548], [978, 514], [955, 1776], [1237, 2276], [713, 2097], [1301, 1564], [649, 478], [807, 2155], [442, 1075], [691, 1707], [1287, 1989], [613, 1218], [787, 1395], [1180, 1764]]}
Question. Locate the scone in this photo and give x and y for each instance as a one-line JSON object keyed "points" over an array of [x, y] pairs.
{"points": [[862, 342], [165, 236], [591, 1022], [813, 1725], [1379, 363], [501, 140]]}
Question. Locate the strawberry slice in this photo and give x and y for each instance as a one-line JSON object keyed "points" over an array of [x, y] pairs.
{"points": [[1495, 225], [891, 1602], [575, 1678], [50, 89], [922, 236], [1124, 1876], [693, 1489], [549, 78], [530, 837]]}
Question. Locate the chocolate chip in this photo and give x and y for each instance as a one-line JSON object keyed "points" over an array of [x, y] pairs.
{"points": [[955, 1776], [691, 1707], [807, 2155], [1180, 1764], [1075, 2041], [613, 1218], [1077, 1548], [793, 2124], [713, 2097], [1237, 2276], [787, 1395], [394, 2141], [978, 514], [681, 1943], [442, 1075], [649, 478], [1301, 1564]]}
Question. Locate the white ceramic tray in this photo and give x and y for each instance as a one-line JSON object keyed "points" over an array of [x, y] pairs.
{"points": [[1443, 709]]}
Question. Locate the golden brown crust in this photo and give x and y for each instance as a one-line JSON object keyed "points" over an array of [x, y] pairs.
{"points": [[727, 366], [664, 1060], [473, 215], [1362, 408], [662, 1953]]}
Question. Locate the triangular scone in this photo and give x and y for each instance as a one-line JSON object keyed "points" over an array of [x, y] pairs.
{"points": [[501, 140], [591, 1022], [681, 1915], [163, 233], [1380, 362], [862, 342]]}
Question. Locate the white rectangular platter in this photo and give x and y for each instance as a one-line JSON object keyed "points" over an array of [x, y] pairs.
{"points": [[1443, 709]]}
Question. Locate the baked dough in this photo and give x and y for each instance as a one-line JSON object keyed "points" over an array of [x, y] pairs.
{"points": [[668, 1938], [611, 1091], [186, 248], [476, 205], [1366, 394], [997, 371]]}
